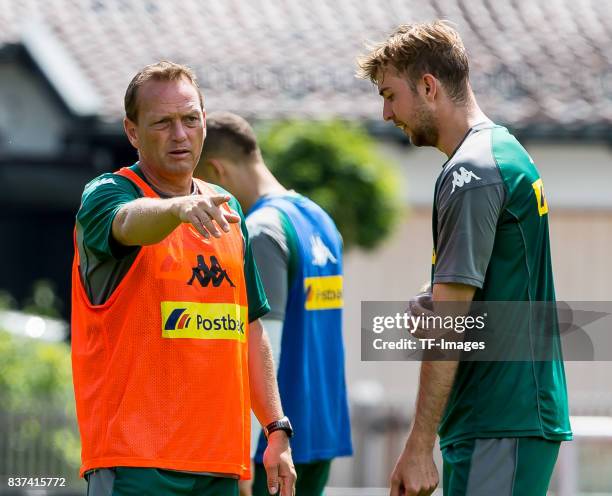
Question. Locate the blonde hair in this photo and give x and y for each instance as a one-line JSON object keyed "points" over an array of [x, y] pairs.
{"points": [[161, 71], [416, 49]]}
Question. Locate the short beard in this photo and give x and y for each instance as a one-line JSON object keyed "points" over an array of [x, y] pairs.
{"points": [[425, 132]]}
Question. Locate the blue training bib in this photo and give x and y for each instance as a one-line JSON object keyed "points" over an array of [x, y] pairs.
{"points": [[311, 370]]}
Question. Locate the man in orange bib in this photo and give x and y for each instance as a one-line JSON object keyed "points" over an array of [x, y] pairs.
{"points": [[167, 348]]}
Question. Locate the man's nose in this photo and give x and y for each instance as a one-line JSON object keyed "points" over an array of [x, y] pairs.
{"points": [[387, 112], [178, 131]]}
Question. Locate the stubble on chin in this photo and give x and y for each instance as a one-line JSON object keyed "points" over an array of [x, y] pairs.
{"points": [[426, 132]]}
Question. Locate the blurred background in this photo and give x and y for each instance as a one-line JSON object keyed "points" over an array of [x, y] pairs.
{"points": [[542, 68]]}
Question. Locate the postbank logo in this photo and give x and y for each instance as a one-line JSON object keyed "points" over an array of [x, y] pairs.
{"points": [[538, 187], [323, 293], [182, 319]]}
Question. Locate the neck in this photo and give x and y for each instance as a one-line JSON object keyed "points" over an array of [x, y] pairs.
{"points": [[263, 183], [457, 122], [171, 186]]}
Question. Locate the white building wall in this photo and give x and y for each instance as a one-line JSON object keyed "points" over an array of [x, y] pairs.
{"points": [[31, 121]]}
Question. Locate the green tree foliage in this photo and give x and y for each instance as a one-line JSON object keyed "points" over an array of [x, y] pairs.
{"points": [[37, 409], [34, 375], [336, 164]]}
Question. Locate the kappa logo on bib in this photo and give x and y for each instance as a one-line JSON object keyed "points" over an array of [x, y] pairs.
{"points": [[206, 274], [182, 319], [323, 293], [321, 254]]}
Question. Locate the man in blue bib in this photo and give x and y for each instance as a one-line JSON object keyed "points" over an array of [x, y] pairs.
{"points": [[298, 251]]}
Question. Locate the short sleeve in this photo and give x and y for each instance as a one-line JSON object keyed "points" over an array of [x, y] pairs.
{"points": [[467, 222], [272, 257], [258, 303], [101, 200]]}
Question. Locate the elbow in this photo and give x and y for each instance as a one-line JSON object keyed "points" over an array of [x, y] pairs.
{"points": [[120, 227]]}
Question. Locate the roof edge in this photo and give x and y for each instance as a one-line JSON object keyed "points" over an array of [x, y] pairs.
{"points": [[61, 70]]}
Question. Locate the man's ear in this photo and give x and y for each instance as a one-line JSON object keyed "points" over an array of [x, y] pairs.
{"points": [[430, 87], [130, 131]]}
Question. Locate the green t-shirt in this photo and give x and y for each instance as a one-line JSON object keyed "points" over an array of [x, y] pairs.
{"points": [[104, 262], [490, 229]]}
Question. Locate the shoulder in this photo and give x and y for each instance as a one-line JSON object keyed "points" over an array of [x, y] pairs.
{"points": [[107, 185], [264, 221], [505, 147], [103, 195], [512, 159], [473, 167], [268, 224], [102, 198], [310, 211]]}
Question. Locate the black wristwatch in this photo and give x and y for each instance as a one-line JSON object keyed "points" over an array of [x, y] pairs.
{"points": [[279, 425]]}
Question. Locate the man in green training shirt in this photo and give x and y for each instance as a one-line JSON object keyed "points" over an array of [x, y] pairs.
{"points": [[500, 423]]}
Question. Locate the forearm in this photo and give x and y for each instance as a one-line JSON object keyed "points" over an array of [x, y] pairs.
{"points": [[145, 221], [265, 399], [274, 334], [435, 384], [437, 377]]}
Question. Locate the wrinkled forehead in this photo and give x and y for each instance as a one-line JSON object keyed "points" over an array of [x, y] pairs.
{"points": [[162, 97]]}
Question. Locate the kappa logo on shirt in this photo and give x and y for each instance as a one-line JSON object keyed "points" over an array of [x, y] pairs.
{"points": [[206, 274], [462, 177], [321, 254], [100, 182]]}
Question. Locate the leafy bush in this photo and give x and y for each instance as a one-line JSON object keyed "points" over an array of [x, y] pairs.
{"points": [[336, 164], [35, 376], [37, 410]]}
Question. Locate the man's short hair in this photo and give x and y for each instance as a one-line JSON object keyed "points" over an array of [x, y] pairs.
{"points": [[161, 71], [229, 136], [422, 48]]}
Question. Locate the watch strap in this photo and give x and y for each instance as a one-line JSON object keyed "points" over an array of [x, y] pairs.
{"points": [[282, 424]]}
